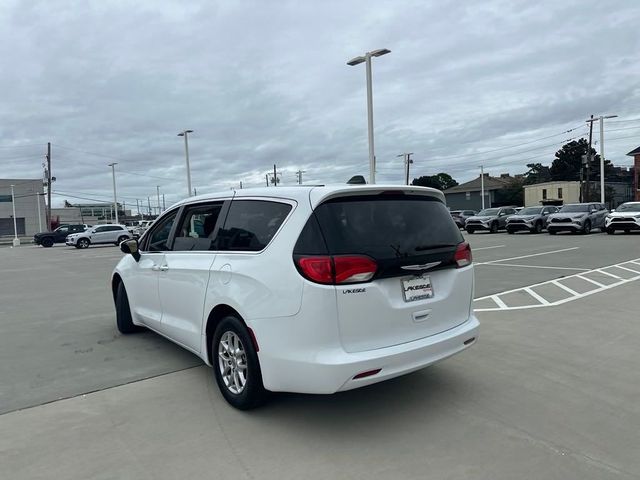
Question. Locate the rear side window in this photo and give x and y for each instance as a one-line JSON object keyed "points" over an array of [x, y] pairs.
{"points": [[251, 224], [383, 226], [197, 230]]}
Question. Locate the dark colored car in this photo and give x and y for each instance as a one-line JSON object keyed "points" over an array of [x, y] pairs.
{"points": [[578, 218], [491, 219], [531, 219], [460, 216], [59, 235]]}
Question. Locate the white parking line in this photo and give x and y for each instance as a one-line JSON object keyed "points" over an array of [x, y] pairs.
{"points": [[538, 300], [607, 273], [487, 248], [535, 266], [528, 256]]}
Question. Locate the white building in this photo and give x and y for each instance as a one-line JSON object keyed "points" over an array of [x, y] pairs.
{"points": [[560, 192], [26, 203]]}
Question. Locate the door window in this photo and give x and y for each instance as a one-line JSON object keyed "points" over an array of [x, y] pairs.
{"points": [[198, 227], [251, 224], [158, 238]]}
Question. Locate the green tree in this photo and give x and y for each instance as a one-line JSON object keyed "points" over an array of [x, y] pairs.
{"points": [[568, 162], [537, 173], [441, 181], [511, 194]]}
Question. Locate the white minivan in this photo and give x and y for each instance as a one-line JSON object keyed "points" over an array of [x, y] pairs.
{"points": [[311, 289]]}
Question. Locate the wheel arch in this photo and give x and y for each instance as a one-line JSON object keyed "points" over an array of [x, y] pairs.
{"points": [[116, 280], [215, 317]]}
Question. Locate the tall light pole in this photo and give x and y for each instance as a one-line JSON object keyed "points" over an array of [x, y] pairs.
{"points": [[185, 134], [115, 197], [482, 184], [158, 193], [16, 240], [601, 119], [356, 61], [39, 215]]}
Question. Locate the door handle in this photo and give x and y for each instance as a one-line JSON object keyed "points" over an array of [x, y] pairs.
{"points": [[160, 268]]}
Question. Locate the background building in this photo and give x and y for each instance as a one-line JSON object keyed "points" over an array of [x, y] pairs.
{"points": [[551, 193], [467, 196], [635, 153], [26, 201]]}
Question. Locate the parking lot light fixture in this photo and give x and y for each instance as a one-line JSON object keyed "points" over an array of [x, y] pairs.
{"points": [[185, 134], [115, 198], [16, 240], [357, 61]]}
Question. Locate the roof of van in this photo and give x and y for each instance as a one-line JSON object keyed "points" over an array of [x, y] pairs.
{"points": [[314, 193]]}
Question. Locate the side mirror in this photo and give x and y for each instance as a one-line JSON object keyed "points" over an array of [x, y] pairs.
{"points": [[131, 247]]}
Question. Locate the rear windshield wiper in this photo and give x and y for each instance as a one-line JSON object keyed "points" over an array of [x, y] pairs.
{"points": [[422, 248]]}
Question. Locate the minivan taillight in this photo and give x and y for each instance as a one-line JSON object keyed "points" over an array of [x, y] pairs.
{"points": [[463, 255], [338, 269]]}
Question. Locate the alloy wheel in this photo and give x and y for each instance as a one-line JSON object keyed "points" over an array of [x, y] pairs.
{"points": [[232, 362]]}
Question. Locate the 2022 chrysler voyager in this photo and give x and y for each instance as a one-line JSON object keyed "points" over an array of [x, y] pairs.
{"points": [[303, 289]]}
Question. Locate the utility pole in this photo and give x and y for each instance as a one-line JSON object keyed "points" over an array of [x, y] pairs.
{"points": [[16, 240], [149, 204], [299, 174], [48, 186], [266, 177], [482, 184], [588, 187], [115, 198], [158, 193], [39, 215], [275, 176], [407, 162], [601, 119], [138, 208], [240, 184], [163, 205]]}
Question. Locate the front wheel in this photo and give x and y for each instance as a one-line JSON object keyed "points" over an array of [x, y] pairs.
{"points": [[236, 366], [83, 243], [47, 242], [510, 232], [538, 227], [494, 227], [470, 231], [586, 230], [124, 322], [552, 232], [610, 231], [121, 239]]}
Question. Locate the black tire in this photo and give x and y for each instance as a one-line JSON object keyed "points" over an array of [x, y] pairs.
{"points": [[121, 239], [253, 394], [610, 231], [552, 232], [124, 322], [510, 232], [627, 231], [470, 231], [537, 228], [47, 242], [494, 227], [586, 228], [83, 243]]}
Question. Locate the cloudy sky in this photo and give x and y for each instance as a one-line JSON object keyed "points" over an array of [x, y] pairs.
{"points": [[468, 82]]}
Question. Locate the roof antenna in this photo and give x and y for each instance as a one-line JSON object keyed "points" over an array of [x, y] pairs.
{"points": [[357, 180]]}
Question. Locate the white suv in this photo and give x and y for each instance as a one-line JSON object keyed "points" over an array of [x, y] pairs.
{"points": [[625, 218], [100, 234], [303, 289]]}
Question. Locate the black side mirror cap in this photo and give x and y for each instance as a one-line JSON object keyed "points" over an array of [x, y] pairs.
{"points": [[130, 247]]}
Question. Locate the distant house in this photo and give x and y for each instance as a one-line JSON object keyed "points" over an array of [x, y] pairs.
{"points": [[551, 193], [635, 153], [467, 196]]}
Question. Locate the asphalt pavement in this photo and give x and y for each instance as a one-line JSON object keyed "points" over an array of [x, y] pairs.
{"points": [[545, 393]]}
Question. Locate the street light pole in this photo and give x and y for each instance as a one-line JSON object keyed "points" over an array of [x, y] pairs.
{"points": [[16, 240], [39, 215], [367, 60], [185, 134], [602, 155], [482, 184], [158, 194], [115, 198]]}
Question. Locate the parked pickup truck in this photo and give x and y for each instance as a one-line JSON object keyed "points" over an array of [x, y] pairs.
{"points": [[59, 235]]}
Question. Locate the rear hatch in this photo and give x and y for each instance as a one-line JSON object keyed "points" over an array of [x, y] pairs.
{"points": [[412, 247]]}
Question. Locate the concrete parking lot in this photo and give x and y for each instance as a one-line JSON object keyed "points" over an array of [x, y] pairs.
{"points": [[547, 392]]}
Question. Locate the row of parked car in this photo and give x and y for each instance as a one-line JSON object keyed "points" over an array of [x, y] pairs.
{"points": [[83, 236], [573, 217]]}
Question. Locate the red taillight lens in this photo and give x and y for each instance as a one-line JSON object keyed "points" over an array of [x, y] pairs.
{"points": [[317, 269], [337, 270], [463, 255], [354, 268]]}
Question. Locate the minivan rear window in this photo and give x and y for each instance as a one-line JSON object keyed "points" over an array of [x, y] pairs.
{"points": [[386, 226]]}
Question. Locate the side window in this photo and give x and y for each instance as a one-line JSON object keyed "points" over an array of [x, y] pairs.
{"points": [[157, 240], [100, 229], [251, 224], [63, 229], [198, 227]]}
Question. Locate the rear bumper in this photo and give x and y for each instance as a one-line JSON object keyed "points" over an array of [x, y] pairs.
{"points": [[332, 370]]}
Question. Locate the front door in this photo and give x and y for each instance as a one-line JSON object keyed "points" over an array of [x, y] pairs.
{"points": [[145, 297], [184, 276]]}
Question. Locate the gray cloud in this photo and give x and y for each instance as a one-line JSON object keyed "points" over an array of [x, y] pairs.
{"points": [[266, 82]]}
